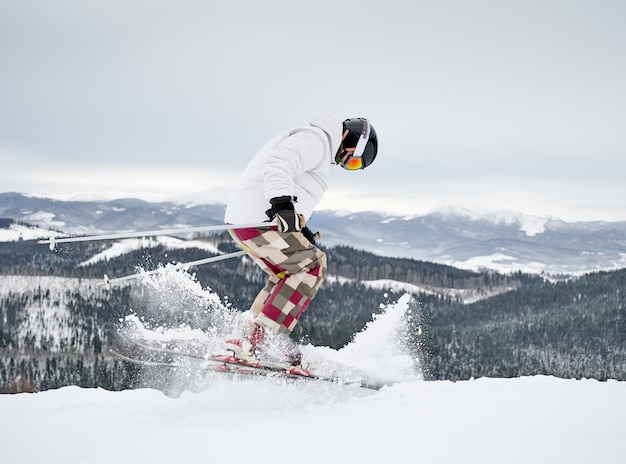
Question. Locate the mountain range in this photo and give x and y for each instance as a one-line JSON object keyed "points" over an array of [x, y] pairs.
{"points": [[501, 241]]}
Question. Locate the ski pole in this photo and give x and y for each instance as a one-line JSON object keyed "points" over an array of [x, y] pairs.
{"points": [[149, 233], [185, 266]]}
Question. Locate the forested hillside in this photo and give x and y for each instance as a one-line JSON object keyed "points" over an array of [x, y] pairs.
{"points": [[57, 321], [569, 329]]}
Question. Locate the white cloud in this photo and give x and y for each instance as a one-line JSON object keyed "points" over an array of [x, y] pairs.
{"points": [[460, 93]]}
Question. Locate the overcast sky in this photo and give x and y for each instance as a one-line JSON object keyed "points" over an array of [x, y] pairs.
{"points": [[516, 105]]}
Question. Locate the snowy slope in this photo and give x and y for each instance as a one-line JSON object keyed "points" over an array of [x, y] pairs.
{"points": [[126, 246], [523, 420], [222, 419], [16, 232]]}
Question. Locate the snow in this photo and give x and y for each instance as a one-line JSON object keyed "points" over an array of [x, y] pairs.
{"points": [[499, 262], [388, 284], [16, 232], [127, 245], [529, 224], [535, 419], [467, 296], [380, 354], [47, 219], [532, 419], [506, 264], [532, 225], [382, 284]]}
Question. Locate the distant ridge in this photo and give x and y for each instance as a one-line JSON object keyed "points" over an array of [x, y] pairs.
{"points": [[502, 241]]}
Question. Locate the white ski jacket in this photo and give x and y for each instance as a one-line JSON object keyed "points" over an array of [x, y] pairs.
{"points": [[296, 162]]}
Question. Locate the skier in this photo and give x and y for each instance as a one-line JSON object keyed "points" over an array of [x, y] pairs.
{"points": [[283, 183]]}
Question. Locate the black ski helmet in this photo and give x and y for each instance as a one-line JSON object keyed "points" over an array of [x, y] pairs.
{"points": [[359, 144]]}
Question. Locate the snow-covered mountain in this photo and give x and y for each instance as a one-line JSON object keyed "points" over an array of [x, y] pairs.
{"points": [[502, 241]]}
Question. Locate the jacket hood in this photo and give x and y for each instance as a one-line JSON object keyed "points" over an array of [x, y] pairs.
{"points": [[332, 125]]}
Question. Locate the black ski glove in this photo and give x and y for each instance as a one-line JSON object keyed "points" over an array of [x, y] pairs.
{"points": [[285, 214]]}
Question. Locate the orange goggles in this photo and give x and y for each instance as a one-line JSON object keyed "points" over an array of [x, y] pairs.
{"points": [[352, 163]]}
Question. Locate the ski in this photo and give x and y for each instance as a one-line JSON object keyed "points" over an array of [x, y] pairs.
{"points": [[226, 367], [210, 366], [226, 358], [228, 363]]}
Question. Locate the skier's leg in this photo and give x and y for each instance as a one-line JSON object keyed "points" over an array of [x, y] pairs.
{"points": [[296, 269], [291, 297], [264, 294]]}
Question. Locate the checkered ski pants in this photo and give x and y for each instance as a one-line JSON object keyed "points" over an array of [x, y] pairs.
{"points": [[295, 267]]}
